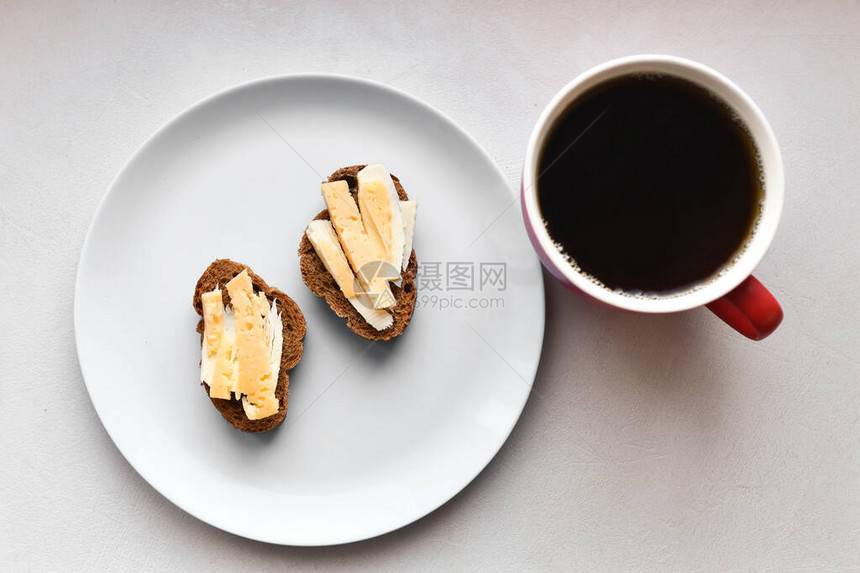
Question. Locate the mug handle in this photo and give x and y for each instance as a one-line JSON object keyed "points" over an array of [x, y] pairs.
{"points": [[749, 308]]}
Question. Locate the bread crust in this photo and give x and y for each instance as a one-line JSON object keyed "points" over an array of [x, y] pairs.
{"points": [[322, 284], [219, 273]]}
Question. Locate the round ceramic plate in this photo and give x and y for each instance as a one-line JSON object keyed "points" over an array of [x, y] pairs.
{"points": [[377, 435]]}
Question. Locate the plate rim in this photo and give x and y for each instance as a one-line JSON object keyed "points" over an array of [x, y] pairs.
{"points": [[98, 214]]}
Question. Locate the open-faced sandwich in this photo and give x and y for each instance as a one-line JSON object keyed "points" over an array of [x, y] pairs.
{"points": [[251, 336], [357, 254]]}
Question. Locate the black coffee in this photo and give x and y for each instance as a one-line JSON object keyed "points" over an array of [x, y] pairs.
{"points": [[649, 183]]}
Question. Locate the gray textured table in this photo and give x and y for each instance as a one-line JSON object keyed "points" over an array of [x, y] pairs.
{"points": [[650, 442]]}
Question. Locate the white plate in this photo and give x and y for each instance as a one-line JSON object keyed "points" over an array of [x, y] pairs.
{"points": [[377, 435]]}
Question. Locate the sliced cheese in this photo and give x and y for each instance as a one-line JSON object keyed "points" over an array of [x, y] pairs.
{"points": [[347, 222], [409, 209], [378, 319], [256, 380], [324, 240], [381, 205], [224, 382], [218, 363], [274, 327], [213, 331], [380, 293], [372, 232]]}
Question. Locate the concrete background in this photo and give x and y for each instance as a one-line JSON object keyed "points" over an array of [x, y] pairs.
{"points": [[650, 443]]}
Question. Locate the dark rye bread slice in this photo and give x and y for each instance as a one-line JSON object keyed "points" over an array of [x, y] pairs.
{"points": [[219, 274], [323, 284]]}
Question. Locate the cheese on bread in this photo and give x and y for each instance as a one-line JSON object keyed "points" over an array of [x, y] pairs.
{"points": [[242, 346], [365, 246]]}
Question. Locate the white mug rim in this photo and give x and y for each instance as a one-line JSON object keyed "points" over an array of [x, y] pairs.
{"points": [[772, 170]]}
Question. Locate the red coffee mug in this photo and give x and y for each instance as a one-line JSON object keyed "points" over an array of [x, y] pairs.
{"points": [[733, 294]]}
